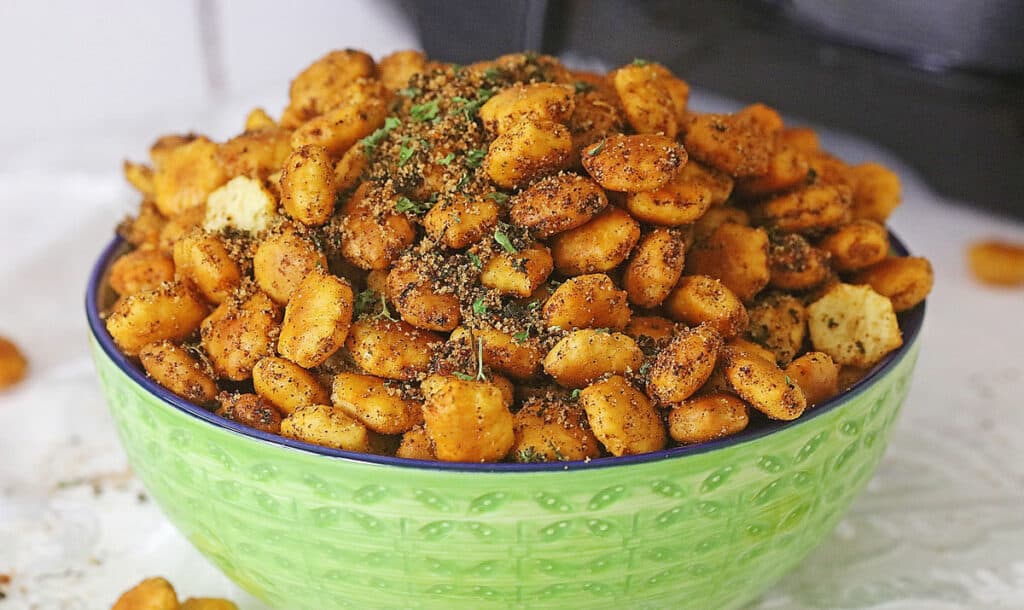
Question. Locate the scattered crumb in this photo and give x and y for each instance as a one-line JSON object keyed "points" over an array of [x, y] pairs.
{"points": [[999, 263], [99, 482], [13, 364], [158, 593]]}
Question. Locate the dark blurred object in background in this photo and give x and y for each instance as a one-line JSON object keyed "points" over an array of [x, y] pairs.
{"points": [[939, 82]]}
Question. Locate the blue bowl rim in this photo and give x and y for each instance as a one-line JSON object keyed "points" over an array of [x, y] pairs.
{"points": [[910, 323]]}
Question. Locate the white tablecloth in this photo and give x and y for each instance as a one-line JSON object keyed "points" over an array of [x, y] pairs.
{"points": [[940, 527]]}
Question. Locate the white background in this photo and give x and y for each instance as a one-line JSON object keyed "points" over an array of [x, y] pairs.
{"points": [[87, 84], [74, 69]]}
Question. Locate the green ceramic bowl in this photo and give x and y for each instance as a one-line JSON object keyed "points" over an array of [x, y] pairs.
{"points": [[308, 528]]}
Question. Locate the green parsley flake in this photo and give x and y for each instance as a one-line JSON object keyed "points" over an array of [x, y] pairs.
{"points": [[463, 376], [479, 308], [408, 206], [475, 157], [371, 141], [575, 394], [365, 301], [404, 154], [640, 62], [410, 91], [473, 258], [521, 336], [469, 108], [593, 151], [384, 312], [447, 159], [504, 241], [424, 112], [498, 197], [529, 455]]}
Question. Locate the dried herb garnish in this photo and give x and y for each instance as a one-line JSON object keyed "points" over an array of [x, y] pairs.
{"points": [[504, 241], [371, 141], [405, 205], [367, 301], [427, 111], [405, 153], [527, 455], [475, 157], [471, 107]]}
